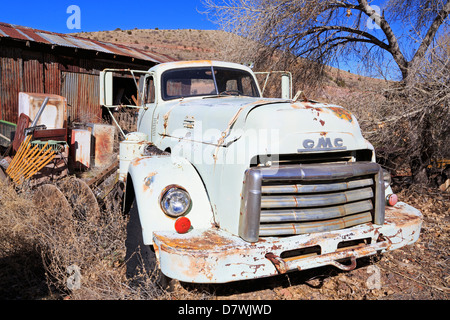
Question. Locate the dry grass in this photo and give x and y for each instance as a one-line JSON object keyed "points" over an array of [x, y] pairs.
{"points": [[22, 275], [40, 240]]}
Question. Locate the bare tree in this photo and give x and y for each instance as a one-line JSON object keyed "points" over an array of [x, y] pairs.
{"points": [[419, 118], [327, 30]]}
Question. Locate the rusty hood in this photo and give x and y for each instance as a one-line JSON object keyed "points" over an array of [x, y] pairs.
{"points": [[305, 127]]}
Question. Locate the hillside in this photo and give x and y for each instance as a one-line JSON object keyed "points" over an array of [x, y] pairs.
{"points": [[186, 44]]}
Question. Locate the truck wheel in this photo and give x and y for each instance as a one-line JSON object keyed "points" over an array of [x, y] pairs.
{"points": [[140, 259], [81, 199]]}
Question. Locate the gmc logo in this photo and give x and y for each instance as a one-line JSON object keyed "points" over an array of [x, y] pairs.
{"points": [[323, 144]]}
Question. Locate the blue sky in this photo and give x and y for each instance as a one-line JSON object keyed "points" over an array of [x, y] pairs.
{"points": [[101, 15]]}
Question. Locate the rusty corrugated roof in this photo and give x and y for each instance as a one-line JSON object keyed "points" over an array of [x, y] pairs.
{"points": [[29, 34]]}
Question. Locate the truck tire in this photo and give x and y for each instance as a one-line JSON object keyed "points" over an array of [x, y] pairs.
{"points": [[140, 258]]}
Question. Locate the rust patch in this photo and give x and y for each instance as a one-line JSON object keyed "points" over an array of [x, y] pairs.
{"points": [[313, 108], [342, 113], [306, 105], [166, 119], [136, 162], [148, 180], [206, 241], [400, 217], [191, 63], [320, 121], [198, 266], [279, 263], [103, 138], [297, 106]]}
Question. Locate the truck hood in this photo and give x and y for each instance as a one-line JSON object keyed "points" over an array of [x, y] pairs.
{"points": [[207, 120], [221, 121]]}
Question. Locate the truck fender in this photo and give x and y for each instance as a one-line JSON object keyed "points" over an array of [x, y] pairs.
{"points": [[149, 178]]}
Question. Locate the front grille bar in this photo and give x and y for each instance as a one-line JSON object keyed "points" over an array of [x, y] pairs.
{"points": [[298, 215], [314, 188], [316, 200], [327, 177], [315, 226]]}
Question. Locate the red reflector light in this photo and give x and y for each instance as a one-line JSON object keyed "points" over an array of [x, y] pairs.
{"points": [[182, 225], [392, 200]]}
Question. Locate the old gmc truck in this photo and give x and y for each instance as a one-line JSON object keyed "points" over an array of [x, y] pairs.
{"points": [[223, 184]]}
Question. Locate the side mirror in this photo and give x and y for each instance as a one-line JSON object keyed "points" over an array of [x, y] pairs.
{"points": [[286, 85], [106, 88]]}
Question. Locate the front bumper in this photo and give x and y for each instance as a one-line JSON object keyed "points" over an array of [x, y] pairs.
{"points": [[216, 256]]}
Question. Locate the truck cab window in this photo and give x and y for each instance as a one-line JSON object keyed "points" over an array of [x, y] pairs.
{"points": [[184, 83], [235, 82]]}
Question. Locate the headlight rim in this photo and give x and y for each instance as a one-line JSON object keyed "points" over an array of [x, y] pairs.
{"points": [[163, 194], [387, 179]]}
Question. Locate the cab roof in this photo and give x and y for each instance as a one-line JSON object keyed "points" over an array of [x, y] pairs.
{"points": [[160, 68]]}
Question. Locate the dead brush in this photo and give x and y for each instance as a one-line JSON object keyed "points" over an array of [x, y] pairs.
{"points": [[80, 259], [83, 257], [21, 272]]}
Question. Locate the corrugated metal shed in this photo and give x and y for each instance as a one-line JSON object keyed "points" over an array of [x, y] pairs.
{"points": [[37, 61], [63, 40]]}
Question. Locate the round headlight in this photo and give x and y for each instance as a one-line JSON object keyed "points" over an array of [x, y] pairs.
{"points": [[387, 178], [175, 202]]}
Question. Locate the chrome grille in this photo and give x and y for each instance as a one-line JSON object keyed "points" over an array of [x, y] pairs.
{"points": [[308, 198]]}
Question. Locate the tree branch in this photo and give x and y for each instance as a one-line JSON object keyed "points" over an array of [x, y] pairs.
{"points": [[442, 15], [393, 47], [340, 41], [362, 33]]}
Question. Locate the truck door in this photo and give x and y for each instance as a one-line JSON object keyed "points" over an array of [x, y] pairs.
{"points": [[118, 89], [147, 122]]}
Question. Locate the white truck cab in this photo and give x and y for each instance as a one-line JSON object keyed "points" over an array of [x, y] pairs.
{"points": [[223, 184]]}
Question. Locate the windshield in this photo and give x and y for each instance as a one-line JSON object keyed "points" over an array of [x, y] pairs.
{"points": [[207, 81]]}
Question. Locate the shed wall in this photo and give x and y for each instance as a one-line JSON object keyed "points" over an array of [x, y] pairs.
{"points": [[70, 74]]}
